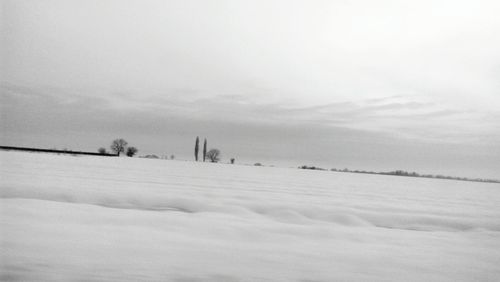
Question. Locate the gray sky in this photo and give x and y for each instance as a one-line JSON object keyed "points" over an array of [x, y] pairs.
{"points": [[362, 84]]}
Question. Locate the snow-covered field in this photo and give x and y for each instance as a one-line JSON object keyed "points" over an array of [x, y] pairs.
{"points": [[68, 218]]}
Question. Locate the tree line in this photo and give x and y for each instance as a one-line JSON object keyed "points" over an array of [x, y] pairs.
{"points": [[405, 173], [213, 155], [119, 146]]}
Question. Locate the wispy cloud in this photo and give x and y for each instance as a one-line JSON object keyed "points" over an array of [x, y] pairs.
{"points": [[404, 117]]}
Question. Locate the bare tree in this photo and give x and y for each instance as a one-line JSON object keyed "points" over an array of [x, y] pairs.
{"points": [[131, 151], [101, 151], [196, 148], [213, 155], [205, 149], [118, 146]]}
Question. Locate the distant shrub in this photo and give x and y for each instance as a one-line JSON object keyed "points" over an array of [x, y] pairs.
{"points": [[257, 164], [102, 151], [213, 155], [150, 157], [311, 167], [131, 151]]}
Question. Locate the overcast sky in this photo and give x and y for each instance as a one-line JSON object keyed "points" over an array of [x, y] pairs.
{"points": [[376, 85]]}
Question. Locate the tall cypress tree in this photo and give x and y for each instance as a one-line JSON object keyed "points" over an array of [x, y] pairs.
{"points": [[205, 149], [196, 148]]}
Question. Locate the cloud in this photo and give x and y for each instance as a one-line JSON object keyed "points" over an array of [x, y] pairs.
{"points": [[407, 117], [24, 108]]}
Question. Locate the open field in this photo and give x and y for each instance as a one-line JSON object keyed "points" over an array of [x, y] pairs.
{"points": [[89, 218]]}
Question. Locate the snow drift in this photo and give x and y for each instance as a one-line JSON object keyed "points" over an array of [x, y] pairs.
{"points": [[107, 219]]}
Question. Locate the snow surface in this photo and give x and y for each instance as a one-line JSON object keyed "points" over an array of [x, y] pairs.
{"points": [[91, 218]]}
